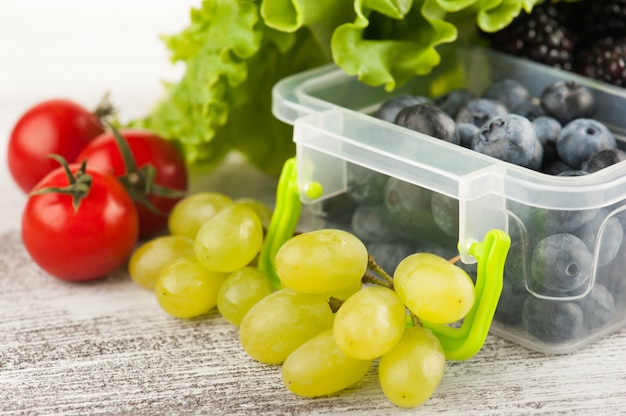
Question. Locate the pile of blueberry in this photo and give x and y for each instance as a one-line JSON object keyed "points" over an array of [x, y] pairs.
{"points": [[555, 289], [554, 133]]}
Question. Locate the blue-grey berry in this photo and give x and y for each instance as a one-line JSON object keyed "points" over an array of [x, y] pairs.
{"points": [[479, 111], [581, 139], [508, 137]]}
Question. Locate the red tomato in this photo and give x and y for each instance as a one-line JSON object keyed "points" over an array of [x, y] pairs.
{"points": [[147, 149], [85, 244], [54, 126]]}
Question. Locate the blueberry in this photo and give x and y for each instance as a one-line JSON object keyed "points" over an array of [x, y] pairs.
{"points": [[510, 304], [528, 109], [537, 160], [612, 276], [568, 100], [552, 321], [581, 139], [389, 109], [573, 172], [446, 213], [371, 223], [610, 239], [466, 131], [560, 263], [389, 255], [542, 222], [429, 119], [446, 251], [555, 167], [409, 208], [508, 91], [547, 130], [597, 307], [365, 186], [454, 100], [509, 137], [603, 159], [333, 212], [479, 111], [522, 215], [516, 266], [555, 221]]}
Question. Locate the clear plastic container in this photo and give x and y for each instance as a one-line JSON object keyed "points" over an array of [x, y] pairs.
{"points": [[446, 197]]}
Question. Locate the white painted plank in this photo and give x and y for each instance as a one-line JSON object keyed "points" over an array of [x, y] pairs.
{"points": [[106, 347]]}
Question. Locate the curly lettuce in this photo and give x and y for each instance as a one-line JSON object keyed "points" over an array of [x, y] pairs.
{"points": [[223, 101], [391, 41], [236, 50]]}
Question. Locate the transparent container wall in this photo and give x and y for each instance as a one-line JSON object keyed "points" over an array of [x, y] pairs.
{"points": [[564, 280], [473, 69], [403, 192]]}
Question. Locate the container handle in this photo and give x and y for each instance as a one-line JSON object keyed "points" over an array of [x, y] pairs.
{"points": [[459, 343]]}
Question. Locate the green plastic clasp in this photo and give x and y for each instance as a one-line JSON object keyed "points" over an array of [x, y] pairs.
{"points": [[284, 219], [460, 342]]}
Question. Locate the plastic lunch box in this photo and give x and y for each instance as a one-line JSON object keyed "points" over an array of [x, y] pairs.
{"points": [[493, 207]]}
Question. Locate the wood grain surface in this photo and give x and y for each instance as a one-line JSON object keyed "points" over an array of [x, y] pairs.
{"points": [[106, 347]]}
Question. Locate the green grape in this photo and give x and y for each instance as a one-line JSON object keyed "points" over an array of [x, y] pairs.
{"points": [[240, 291], [410, 373], [230, 240], [263, 211], [191, 212], [369, 323], [318, 367], [185, 289], [150, 257], [321, 261], [282, 321], [434, 289]]}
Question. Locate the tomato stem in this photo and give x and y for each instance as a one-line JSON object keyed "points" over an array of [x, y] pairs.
{"points": [[79, 182], [140, 182], [127, 154], [105, 108]]}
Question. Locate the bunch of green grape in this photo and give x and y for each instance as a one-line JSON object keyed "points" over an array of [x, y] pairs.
{"points": [[207, 257], [335, 312]]}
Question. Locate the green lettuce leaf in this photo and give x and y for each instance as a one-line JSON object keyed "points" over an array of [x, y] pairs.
{"points": [[234, 51], [253, 130], [398, 37], [391, 41], [223, 101], [321, 17], [496, 14]]}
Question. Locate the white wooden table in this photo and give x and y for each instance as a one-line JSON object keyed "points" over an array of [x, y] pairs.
{"points": [[107, 348]]}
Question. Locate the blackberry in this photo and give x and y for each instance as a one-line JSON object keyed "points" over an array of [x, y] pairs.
{"points": [[605, 61], [599, 19], [542, 36]]}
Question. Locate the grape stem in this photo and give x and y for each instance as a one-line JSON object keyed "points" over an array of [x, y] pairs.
{"points": [[334, 304], [455, 259], [415, 320], [375, 279], [381, 273]]}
